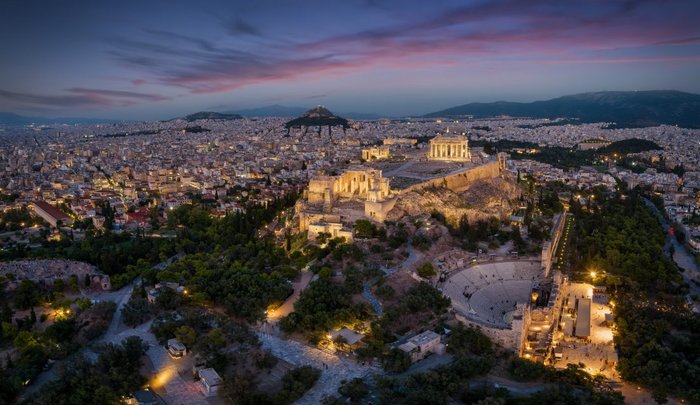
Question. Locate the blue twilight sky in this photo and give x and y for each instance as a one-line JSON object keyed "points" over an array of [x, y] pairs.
{"points": [[150, 59]]}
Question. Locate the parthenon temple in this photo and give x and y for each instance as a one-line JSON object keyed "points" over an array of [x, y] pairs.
{"points": [[450, 147]]}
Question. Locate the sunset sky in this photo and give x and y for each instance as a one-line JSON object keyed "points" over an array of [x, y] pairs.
{"points": [[159, 59]]}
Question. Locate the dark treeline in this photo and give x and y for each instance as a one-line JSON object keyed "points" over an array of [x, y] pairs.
{"points": [[113, 376], [657, 333], [569, 157], [118, 254], [227, 264]]}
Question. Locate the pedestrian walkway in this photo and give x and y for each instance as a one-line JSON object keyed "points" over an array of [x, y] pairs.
{"points": [[334, 368], [367, 293], [168, 381]]}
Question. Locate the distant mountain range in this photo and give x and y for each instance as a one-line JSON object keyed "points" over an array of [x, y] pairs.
{"points": [[209, 115], [277, 110], [625, 108], [11, 119]]}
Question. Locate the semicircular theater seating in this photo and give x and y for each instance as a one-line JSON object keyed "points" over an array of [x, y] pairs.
{"points": [[487, 292]]}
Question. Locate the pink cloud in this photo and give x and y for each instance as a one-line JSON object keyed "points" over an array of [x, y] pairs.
{"points": [[523, 31]]}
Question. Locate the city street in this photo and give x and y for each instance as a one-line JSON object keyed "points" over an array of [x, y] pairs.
{"points": [[681, 256]]}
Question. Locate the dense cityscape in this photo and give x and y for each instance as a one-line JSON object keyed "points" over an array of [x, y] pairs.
{"points": [[191, 249]]}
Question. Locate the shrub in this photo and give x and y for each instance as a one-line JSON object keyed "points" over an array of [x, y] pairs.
{"points": [[355, 389], [526, 370], [396, 361], [426, 270]]}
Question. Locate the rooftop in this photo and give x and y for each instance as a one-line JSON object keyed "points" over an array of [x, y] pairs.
{"points": [[583, 317], [175, 344], [423, 338], [210, 376], [51, 210], [350, 336]]}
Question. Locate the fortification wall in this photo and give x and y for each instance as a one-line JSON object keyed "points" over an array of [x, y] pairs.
{"points": [[378, 210], [549, 248], [308, 218], [512, 338], [520, 327], [509, 339], [459, 182]]}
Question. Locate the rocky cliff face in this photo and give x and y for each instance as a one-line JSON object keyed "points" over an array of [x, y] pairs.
{"points": [[481, 200]]}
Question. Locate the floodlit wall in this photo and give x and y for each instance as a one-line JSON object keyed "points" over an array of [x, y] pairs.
{"points": [[458, 182], [378, 210], [508, 338], [549, 248]]}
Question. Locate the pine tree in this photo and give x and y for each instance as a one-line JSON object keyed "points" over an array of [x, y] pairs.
{"points": [[5, 313]]}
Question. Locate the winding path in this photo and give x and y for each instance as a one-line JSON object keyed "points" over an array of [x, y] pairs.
{"points": [[288, 306], [367, 293]]}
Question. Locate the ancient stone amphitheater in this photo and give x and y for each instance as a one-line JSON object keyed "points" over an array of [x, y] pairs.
{"points": [[489, 293]]}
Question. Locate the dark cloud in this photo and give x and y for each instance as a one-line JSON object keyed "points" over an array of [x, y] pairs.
{"points": [[116, 94], [679, 41], [244, 43], [46, 100], [482, 29], [240, 27], [80, 97]]}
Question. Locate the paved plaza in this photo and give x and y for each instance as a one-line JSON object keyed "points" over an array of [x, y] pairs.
{"points": [[597, 352], [172, 378], [334, 369]]}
